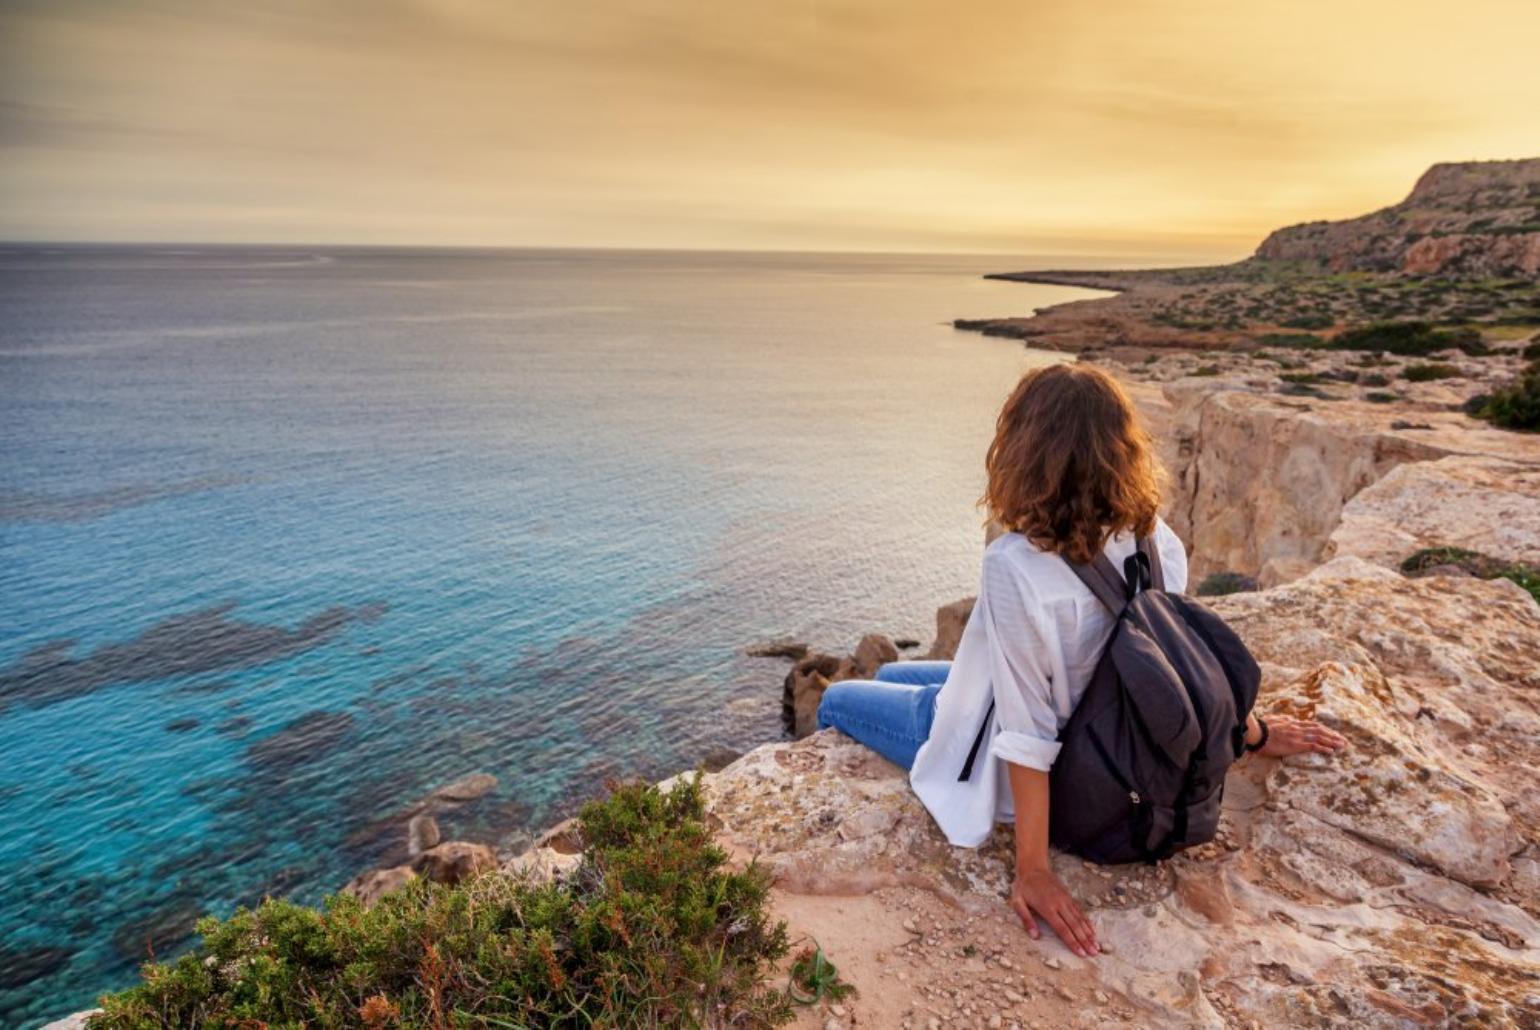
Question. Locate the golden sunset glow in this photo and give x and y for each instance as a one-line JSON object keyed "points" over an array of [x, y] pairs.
{"points": [[1115, 128]]}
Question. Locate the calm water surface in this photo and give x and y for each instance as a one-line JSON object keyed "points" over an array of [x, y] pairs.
{"points": [[291, 537]]}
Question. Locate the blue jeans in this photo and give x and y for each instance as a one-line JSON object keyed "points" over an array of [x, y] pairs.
{"points": [[890, 714]]}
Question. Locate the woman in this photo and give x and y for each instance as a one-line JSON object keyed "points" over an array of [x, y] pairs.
{"points": [[1070, 473]]}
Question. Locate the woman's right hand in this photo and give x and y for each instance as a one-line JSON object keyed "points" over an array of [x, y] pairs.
{"points": [[1038, 892]]}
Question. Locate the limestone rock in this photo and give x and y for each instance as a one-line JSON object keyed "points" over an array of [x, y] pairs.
{"points": [[422, 833], [376, 883], [1260, 483], [803, 689], [454, 861], [541, 865], [874, 651], [1393, 885], [951, 619], [1485, 504], [1388, 787]]}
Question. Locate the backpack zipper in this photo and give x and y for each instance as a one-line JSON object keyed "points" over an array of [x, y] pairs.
{"points": [[1101, 749]]}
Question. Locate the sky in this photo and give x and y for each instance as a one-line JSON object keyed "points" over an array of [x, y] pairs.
{"points": [[1179, 128]]}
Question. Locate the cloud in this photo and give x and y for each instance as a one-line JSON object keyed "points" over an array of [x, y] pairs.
{"points": [[844, 123]]}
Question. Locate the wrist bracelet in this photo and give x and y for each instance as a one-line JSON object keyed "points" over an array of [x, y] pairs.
{"points": [[1262, 740]]}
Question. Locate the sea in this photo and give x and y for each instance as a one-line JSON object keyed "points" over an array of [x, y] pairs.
{"points": [[292, 537]]}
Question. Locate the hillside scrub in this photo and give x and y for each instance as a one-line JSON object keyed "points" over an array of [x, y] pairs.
{"points": [[1514, 406], [1423, 373], [650, 929], [1409, 339], [1482, 566]]}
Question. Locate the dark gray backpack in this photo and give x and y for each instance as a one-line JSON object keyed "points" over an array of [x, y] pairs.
{"points": [[1142, 763]]}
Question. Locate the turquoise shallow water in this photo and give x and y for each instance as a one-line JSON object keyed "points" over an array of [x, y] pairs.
{"points": [[290, 537]]}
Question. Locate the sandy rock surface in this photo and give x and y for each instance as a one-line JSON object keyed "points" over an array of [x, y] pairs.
{"points": [[1485, 504]]}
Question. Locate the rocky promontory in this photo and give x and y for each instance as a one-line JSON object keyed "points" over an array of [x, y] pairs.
{"points": [[1462, 248], [1479, 218], [1395, 885]]}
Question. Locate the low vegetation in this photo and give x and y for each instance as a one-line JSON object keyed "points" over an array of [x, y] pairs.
{"points": [[815, 979], [1409, 339], [1424, 373], [1220, 583], [1473, 563], [650, 930], [1514, 406]]}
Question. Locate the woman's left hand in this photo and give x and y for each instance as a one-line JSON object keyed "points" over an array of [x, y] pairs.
{"points": [[1287, 735]]}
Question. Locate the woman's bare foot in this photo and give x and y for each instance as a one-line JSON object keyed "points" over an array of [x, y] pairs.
{"points": [[1287, 735]]}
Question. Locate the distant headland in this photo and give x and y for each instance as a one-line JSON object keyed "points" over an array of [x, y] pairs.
{"points": [[1464, 246]]}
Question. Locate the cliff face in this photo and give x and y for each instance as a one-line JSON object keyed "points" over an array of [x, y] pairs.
{"points": [[1469, 219], [1271, 486]]}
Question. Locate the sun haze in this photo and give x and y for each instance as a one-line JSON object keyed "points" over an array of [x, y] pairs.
{"points": [[1183, 129]]}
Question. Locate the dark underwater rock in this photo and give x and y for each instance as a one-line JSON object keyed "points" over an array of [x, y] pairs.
{"points": [[303, 740], [21, 966]]}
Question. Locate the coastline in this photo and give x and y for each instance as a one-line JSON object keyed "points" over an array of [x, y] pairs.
{"points": [[1317, 501], [1318, 496], [859, 867]]}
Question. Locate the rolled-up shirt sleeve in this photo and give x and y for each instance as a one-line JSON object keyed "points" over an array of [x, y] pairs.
{"points": [[1020, 671]]}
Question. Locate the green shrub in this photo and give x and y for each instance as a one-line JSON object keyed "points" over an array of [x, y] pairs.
{"points": [[1381, 397], [1428, 372], [1205, 370], [1300, 377], [1532, 351], [1369, 359], [1516, 405], [1219, 583], [1475, 563], [1374, 379], [1414, 339], [650, 930], [1308, 321], [1299, 341]]}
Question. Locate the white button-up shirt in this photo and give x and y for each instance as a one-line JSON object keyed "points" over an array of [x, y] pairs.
{"points": [[1030, 646]]}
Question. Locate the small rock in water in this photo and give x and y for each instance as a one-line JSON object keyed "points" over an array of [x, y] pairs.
{"points": [[467, 789], [421, 834], [1053, 963], [796, 650]]}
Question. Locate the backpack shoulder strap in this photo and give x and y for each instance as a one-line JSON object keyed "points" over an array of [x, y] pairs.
{"points": [[1146, 546], [1103, 580]]}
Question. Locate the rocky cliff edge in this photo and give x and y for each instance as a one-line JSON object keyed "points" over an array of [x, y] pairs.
{"points": [[1396, 885]]}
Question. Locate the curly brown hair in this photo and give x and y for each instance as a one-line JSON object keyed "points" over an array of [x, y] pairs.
{"points": [[1070, 463]]}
